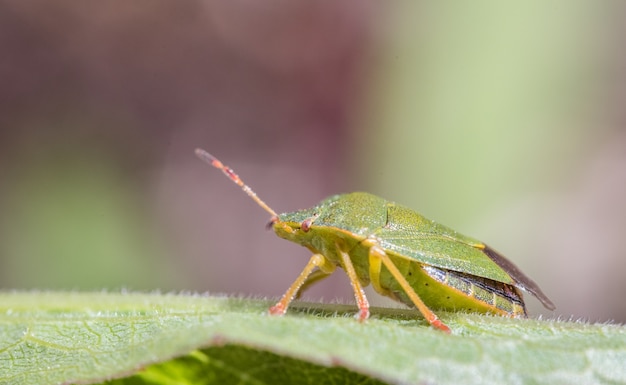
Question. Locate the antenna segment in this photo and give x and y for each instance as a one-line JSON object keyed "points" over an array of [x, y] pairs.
{"points": [[213, 161]]}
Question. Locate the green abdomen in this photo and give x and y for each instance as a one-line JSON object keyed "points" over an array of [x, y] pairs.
{"points": [[453, 291]]}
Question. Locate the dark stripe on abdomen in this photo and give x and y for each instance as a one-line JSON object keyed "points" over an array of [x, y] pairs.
{"points": [[482, 289]]}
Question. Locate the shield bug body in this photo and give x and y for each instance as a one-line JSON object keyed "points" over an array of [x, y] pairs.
{"points": [[404, 255]]}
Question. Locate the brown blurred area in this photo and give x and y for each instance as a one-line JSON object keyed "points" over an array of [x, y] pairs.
{"points": [[119, 95], [505, 122], [208, 69]]}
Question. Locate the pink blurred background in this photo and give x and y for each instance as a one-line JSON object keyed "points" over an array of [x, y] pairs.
{"points": [[503, 122]]}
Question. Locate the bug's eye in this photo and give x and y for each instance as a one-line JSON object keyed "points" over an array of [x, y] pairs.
{"points": [[306, 224]]}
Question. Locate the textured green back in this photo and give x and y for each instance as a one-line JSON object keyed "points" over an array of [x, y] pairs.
{"points": [[400, 231]]}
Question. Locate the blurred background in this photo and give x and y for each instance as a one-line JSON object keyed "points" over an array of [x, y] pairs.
{"points": [[504, 122]]}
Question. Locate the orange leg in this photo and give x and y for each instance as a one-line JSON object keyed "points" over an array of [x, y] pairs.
{"points": [[359, 294], [312, 279], [377, 254], [317, 260]]}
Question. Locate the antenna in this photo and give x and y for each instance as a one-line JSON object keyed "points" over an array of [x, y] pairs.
{"points": [[213, 161]]}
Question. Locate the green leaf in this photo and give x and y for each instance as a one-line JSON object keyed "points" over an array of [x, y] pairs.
{"points": [[234, 364], [55, 337]]}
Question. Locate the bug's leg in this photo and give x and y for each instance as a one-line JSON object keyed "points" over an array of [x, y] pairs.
{"points": [[317, 260], [376, 253], [359, 294], [315, 277], [376, 265]]}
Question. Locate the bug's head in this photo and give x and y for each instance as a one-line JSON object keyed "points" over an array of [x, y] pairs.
{"points": [[294, 226], [356, 213]]}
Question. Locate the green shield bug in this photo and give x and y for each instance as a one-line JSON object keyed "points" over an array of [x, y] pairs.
{"points": [[404, 255]]}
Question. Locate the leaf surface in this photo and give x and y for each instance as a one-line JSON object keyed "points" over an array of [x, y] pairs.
{"points": [[69, 337]]}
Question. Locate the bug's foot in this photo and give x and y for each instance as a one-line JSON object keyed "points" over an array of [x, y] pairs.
{"points": [[362, 315], [278, 309], [440, 325]]}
